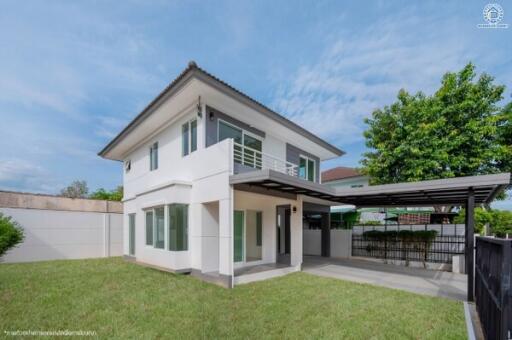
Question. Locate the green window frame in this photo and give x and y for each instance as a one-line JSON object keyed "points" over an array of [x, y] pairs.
{"points": [[178, 227], [153, 157]]}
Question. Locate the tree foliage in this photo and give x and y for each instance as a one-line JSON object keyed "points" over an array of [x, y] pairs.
{"points": [[77, 189], [499, 221], [113, 195], [11, 233], [460, 130]]}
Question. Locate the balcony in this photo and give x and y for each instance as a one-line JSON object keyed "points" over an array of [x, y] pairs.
{"points": [[249, 159]]}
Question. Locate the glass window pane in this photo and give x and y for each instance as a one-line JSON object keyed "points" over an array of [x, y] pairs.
{"points": [[131, 234], [311, 170], [252, 158], [184, 139], [149, 228], [238, 238], [302, 167], [159, 228], [228, 131], [259, 227], [193, 135], [153, 157], [178, 227]]}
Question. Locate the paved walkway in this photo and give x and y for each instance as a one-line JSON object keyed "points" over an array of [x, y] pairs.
{"points": [[422, 281]]}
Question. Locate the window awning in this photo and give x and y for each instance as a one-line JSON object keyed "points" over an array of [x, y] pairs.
{"points": [[449, 191]]}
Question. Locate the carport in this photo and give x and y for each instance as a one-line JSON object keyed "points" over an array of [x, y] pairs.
{"points": [[461, 191]]}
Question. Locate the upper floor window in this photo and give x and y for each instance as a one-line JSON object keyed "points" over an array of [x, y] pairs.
{"points": [[189, 137], [307, 168], [247, 148], [153, 156]]}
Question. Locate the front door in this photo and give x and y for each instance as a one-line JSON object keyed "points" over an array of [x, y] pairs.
{"points": [[239, 236], [283, 234]]}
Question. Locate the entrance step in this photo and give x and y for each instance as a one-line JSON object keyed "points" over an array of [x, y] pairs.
{"points": [[264, 275]]}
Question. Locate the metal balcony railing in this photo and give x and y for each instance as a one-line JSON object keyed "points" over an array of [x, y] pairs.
{"points": [[253, 158]]}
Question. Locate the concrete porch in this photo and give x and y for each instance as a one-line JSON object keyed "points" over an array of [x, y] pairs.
{"points": [[416, 280]]}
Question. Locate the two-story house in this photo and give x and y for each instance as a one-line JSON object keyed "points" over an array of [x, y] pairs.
{"points": [[181, 155]]}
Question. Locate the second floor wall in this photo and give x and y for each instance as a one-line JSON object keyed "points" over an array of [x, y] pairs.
{"points": [[165, 154]]}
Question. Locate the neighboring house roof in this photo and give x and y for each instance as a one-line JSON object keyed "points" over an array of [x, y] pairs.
{"points": [[338, 173], [195, 71]]}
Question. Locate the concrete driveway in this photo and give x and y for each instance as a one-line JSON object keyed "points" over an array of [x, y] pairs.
{"points": [[421, 281]]}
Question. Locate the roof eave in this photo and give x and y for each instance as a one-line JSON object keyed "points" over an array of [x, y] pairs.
{"points": [[194, 71]]}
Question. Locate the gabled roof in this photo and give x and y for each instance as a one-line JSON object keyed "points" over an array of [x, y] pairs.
{"points": [[194, 71], [340, 172]]}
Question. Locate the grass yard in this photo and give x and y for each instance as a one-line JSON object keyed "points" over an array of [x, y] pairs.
{"points": [[123, 300]]}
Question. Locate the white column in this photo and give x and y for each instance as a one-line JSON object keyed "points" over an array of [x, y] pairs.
{"points": [[195, 216], [296, 233], [226, 236]]}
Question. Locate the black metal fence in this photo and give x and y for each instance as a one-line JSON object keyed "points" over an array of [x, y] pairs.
{"points": [[440, 250], [493, 293]]}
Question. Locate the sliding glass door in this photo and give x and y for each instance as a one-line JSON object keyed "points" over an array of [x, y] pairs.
{"points": [[247, 235], [239, 236]]}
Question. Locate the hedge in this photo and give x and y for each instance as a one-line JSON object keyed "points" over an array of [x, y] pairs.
{"points": [[11, 233]]}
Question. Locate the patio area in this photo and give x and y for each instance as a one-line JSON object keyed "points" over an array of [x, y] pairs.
{"points": [[416, 280]]}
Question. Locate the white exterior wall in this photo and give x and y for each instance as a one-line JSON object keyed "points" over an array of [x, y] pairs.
{"points": [[57, 234], [207, 180], [312, 242], [341, 242], [201, 180]]}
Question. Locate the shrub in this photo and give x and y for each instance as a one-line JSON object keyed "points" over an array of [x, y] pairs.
{"points": [[11, 233]]}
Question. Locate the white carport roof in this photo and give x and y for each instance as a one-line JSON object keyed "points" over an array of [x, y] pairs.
{"points": [[449, 191]]}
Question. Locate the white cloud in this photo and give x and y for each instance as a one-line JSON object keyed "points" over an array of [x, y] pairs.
{"points": [[359, 73], [109, 126], [23, 175]]}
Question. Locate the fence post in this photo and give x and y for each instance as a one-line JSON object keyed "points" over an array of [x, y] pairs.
{"points": [[506, 291], [470, 228]]}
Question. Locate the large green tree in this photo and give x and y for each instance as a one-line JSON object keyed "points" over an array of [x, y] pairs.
{"points": [[460, 130]]}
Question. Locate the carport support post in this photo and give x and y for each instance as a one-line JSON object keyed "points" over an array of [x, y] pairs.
{"points": [[470, 239], [326, 234]]}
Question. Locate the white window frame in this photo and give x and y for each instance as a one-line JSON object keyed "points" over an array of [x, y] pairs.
{"points": [[189, 136], [153, 210], [307, 168]]}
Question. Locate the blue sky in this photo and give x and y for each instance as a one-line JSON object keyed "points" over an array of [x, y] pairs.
{"points": [[74, 73]]}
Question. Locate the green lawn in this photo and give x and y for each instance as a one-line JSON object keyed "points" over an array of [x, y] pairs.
{"points": [[124, 300]]}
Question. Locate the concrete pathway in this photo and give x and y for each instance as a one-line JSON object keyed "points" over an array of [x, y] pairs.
{"points": [[421, 281]]}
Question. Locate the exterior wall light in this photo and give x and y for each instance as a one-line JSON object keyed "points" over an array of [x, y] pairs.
{"points": [[294, 209], [211, 116]]}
